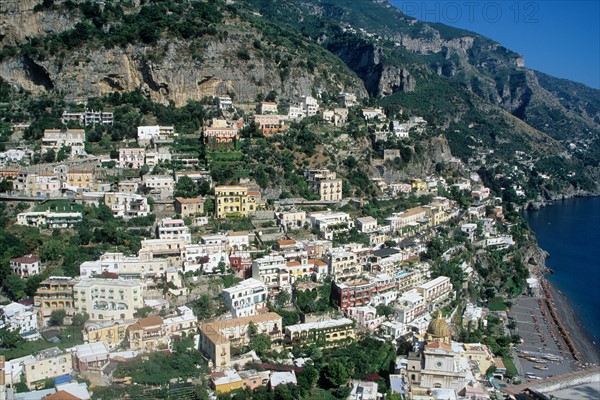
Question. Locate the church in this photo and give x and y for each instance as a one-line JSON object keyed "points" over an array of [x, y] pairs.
{"points": [[436, 365]]}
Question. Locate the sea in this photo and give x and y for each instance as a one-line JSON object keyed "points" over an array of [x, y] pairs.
{"points": [[569, 230]]}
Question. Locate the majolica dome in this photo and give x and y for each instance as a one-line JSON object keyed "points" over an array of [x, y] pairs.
{"points": [[438, 328]]}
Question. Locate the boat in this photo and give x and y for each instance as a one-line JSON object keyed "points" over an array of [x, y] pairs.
{"points": [[541, 367]]}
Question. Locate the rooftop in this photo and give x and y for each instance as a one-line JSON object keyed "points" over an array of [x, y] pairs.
{"points": [[331, 323]]}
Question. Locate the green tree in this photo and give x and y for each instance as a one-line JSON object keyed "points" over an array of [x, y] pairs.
{"points": [[260, 343], [10, 339], [186, 188], [282, 299], [79, 319], [14, 287], [49, 156], [57, 318], [335, 374]]}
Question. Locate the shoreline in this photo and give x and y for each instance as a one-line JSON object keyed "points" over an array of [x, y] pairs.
{"points": [[578, 334], [536, 205]]}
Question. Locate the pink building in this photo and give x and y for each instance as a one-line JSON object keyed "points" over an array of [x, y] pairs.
{"points": [[132, 157]]}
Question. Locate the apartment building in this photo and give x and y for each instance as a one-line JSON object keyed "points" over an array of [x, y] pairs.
{"points": [[321, 333], [347, 100], [127, 205], [110, 333], [325, 184], [409, 218], [156, 134], [435, 290], [89, 117], [49, 219], [366, 224], [266, 107], [26, 266], [247, 298], [19, 318], [160, 187], [109, 299], [269, 124], [125, 265], [234, 201], [219, 131], [217, 337], [56, 139], [54, 293], [46, 364], [37, 184], [330, 222], [343, 265], [310, 105], [132, 157], [169, 228], [271, 270]]}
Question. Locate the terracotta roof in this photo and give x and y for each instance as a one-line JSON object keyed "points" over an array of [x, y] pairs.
{"points": [[150, 321], [317, 262], [437, 345], [253, 193], [293, 264], [26, 259], [62, 395], [189, 201], [285, 241]]}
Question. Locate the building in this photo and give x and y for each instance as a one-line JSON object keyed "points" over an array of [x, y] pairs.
{"points": [[366, 316], [247, 298], [347, 100], [56, 139], [296, 112], [234, 201], [169, 228], [91, 360], [292, 219], [436, 290], [48, 219], [54, 293], [127, 205], [269, 124], [189, 207], [49, 363], [325, 184], [321, 333], [33, 184], [366, 224], [159, 187], [217, 337], [219, 131], [343, 265], [156, 134], [20, 318], [132, 157], [330, 222], [25, 266], [89, 117], [266, 107], [225, 103], [373, 113], [310, 105], [147, 334], [111, 333], [272, 271], [109, 299], [364, 390]]}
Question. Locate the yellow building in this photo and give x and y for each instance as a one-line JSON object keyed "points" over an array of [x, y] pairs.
{"points": [[321, 333], [55, 293], [81, 178], [234, 201], [49, 363], [419, 185], [109, 299], [111, 333]]}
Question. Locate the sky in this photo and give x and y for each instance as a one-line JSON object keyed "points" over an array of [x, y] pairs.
{"points": [[557, 37]]}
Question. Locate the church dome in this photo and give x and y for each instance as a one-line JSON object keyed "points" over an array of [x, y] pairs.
{"points": [[438, 328]]}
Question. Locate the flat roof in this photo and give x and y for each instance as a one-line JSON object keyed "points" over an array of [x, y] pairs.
{"points": [[109, 282], [319, 325]]}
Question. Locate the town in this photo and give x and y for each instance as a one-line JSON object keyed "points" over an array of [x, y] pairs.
{"points": [[212, 289]]}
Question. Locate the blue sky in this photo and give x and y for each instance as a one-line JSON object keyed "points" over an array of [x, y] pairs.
{"points": [[560, 38]]}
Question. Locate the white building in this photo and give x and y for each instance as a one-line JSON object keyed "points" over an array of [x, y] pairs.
{"points": [[271, 270], [169, 228], [56, 139], [329, 223], [310, 105], [109, 299], [366, 224], [52, 220], [435, 290], [25, 266], [247, 298], [127, 205], [160, 186], [155, 133], [21, 319]]}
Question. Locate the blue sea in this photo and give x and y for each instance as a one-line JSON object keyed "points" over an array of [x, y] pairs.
{"points": [[570, 231]]}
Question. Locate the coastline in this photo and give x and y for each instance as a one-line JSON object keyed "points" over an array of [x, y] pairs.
{"points": [[577, 333]]}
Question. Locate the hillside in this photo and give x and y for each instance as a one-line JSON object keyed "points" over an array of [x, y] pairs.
{"points": [[474, 91]]}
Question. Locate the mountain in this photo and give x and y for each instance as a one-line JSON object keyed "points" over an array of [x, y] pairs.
{"points": [[474, 91]]}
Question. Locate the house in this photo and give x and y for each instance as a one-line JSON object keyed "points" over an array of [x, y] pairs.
{"points": [[364, 390], [372, 113], [132, 157], [347, 99], [283, 378], [79, 178], [153, 158], [365, 316], [247, 298], [48, 219], [189, 207], [225, 103], [25, 266], [325, 184], [169, 228], [146, 334], [20, 318], [296, 112], [269, 124], [329, 223], [436, 290], [37, 184], [49, 363], [109, 299], [310, 105], [266, 107], [234, 201], [156, 134], [219, 131], [89, 117], [291, 220], [56, 139], [217, 337], [110, 333], [321, 333], [366, 224], [271, 270], [127, 205], [90, 361], [159, 187]]}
